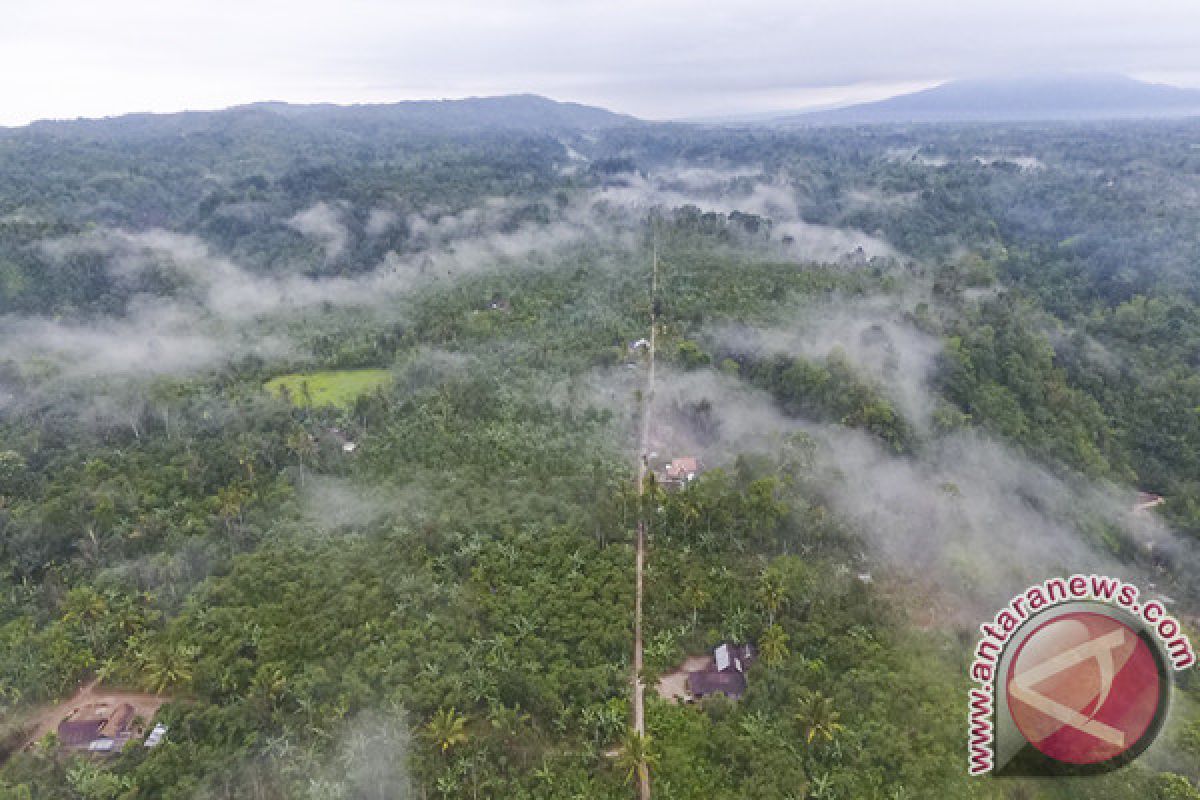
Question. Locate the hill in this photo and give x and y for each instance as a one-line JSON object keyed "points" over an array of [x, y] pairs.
{"points": [[513, 113], [1091, 97]]}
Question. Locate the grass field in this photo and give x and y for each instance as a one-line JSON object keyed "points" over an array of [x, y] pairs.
{"points": [[329, 388]]}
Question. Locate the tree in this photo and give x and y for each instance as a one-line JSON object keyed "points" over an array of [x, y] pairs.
{"points": [[447, 730], [773, 646], [817, 717], [12, 467], [1168, 786], [167, 664], [302, 444], [771, 594], [697, 598], [637, 757]]}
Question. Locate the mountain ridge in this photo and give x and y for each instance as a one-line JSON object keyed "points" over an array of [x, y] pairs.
{"points": [[513, 113], [1032, 98]]}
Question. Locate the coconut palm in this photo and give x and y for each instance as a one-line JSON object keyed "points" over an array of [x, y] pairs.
{"points": [[697, 598], [636, 757], [817, 717], [773, 646], [447, 730], [771, 594], [166, 665]]}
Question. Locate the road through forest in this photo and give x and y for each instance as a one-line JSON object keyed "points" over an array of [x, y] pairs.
{"points": [[639, 687]]}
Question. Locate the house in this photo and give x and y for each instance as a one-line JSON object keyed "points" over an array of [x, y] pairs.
{"points": [[97, 727], [640, 344], [117, 722], [342, 439], [725, 674], [1147, 501], [680, 472], [710, 682]]}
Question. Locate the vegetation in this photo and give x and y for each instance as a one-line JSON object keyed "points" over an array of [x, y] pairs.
{"points": [[445, 612], [338, 388]]}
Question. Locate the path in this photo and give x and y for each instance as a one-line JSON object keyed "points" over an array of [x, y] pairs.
{"points": [[639, 688]]}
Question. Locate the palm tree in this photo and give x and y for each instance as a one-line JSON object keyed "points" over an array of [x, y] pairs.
{"points": [[447, 730], [636, 757], [167, 665], [773, 646], [817, 717], [772, 594], [508, 722], [231, 502], [697, 598], [304, 447]]}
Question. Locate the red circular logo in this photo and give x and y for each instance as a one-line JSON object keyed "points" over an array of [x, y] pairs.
{"points": [[1083, 688]]}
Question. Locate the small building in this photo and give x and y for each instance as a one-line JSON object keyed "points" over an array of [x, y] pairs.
{"points": [[710, 682], [1147, 501], [118, 721], [342, 439], [78, 732], [156, 736], [98, 728], [726, 674], [680, 472], [640, 344]]}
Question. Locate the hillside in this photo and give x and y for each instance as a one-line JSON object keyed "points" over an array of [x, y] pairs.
{"points": [[1093, 97], [518, 113]]}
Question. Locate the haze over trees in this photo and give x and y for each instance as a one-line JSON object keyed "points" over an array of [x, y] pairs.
{"points": [[921, 367]]}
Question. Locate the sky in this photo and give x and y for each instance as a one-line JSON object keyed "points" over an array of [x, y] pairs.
{"points": [[657, 59]]}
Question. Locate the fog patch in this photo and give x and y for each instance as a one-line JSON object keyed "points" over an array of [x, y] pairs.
{"points": [[873, 335], [1024, 163], [368, 760], [747, 191], [322, 223], [156, 338], [871, 198], [975, 513], [217, 311], [379, 221], [334, 505], [972, 516]]}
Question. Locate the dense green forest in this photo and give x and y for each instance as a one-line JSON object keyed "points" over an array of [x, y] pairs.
{"points": [[324, 427]]}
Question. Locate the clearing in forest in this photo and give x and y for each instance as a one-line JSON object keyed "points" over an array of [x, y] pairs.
{"points": [[328, 388], [47, 720]]}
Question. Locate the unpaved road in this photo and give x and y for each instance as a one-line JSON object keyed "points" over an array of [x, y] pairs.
{"points": [[639, 688]]}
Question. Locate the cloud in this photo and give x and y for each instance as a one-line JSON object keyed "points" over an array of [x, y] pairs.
{"points": [[873, 334], [221, 311], [982, 518], [157, 338], [749, 191], [380, 220], [336, 504], [323, 223], [966, 516], [659, 59]]}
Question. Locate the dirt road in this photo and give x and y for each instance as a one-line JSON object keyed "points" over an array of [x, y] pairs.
{"points": [[639, 688]]}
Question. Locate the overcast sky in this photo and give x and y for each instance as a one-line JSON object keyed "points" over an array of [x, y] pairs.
{"points": [[653, 58]]}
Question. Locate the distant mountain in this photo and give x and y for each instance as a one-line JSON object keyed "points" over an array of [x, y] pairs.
{"points": [[1094, 97], [519, 113]]}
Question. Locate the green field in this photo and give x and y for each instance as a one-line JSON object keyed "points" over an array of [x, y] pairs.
{"points": [[328, 388]]}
